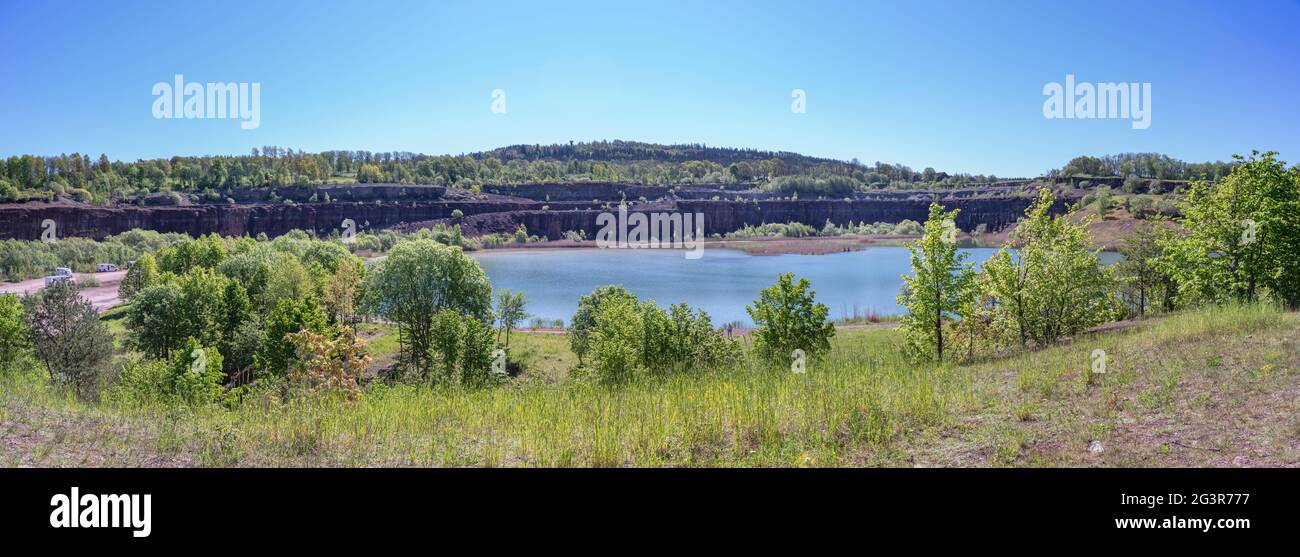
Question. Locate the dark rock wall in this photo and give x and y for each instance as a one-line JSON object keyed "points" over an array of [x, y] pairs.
{"points": [[24, 221]]}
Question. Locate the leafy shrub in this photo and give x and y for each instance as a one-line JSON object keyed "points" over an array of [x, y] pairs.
{"points": [[626, 337], [13, 330], [584, 319], [788, 319], [462, 349], [325, 365]]}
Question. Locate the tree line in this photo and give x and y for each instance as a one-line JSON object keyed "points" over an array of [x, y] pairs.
{"points": [[100, 180]]}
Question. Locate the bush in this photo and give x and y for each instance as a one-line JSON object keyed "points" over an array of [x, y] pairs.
{"points": [[462, 348], [616, 339], [789, 319], [325, 365], [626, 337], [195, 375], [13, 331], [584, 319]]}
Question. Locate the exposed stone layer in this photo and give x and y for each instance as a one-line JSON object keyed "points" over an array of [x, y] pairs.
{"points": [[994, 208]]}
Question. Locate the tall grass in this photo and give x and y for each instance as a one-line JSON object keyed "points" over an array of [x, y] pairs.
{"points": [[864, 404]]}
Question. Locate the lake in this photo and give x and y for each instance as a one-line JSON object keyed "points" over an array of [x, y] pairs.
{"points": [[722, 282]]}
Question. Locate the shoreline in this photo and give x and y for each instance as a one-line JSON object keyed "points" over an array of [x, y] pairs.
{"points": [[761, 246]]}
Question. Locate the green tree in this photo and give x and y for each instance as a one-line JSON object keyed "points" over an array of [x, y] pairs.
{"points": [[682, 338], [788, 319], [155, 320], [68, 337], [141, 275], [1054, 284], [462, 347], [510, 310], [203, 308], [341, 290], [418, 279], [195, 375], [1242, 233], [1140, 276], [288, 317], [940, 286]]}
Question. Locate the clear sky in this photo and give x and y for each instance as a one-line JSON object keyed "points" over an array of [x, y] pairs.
{"points": [[957, 85]]}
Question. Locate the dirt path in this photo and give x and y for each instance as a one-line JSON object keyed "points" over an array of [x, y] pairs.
{"points": [[102, 297]]}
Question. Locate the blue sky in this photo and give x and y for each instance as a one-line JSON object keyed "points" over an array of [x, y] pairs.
{"points": [[956, 85]]}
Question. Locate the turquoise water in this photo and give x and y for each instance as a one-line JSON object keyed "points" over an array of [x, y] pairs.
{"points": [[722, 282]]}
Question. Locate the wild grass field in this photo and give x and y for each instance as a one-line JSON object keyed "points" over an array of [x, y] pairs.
{"points": [[1209, 387]]}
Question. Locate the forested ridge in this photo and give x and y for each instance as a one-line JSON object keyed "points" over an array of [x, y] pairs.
{"points": [[101, 180]]}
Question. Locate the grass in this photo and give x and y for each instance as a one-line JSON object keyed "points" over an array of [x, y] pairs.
{"points": [[1160, 403]]}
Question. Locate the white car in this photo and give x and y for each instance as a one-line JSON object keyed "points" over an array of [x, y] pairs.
{"points": [[105, 268], [55, 279], [62, 272]]}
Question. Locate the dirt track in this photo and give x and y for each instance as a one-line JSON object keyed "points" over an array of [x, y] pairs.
{"points": [[102, 297]]}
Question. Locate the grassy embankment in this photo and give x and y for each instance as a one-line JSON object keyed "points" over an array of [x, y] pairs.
{"points": [[1213, 387]]}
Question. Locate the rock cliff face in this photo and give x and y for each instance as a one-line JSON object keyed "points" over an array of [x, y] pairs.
{"points": [[994, 209], [721, 217], [26, 221]]}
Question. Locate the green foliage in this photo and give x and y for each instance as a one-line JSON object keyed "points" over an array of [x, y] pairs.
{"points": [[1144, 165], [1143, 283], [461, 349], [418, 279], [510, 310], [192, 378], [616, 339], [289, 317], [200, 304], [206, 251], [329, 255], [626, 337], [196, 374], [683, 338], [155, 320], [25, 259], [141, 275], [584, 319], [13, 330], [68, 337], [788, 319], [1242, 235], [1054, 285], [940, 286], [829, 186]]}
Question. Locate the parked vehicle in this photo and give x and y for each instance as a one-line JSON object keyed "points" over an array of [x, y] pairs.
{"points": [[105, 268], [55, 279], [62, 272]]}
